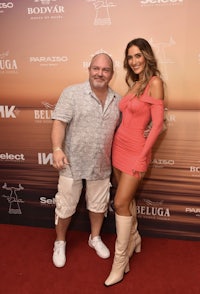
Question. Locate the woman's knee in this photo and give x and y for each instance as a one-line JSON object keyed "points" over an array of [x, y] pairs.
{"points": [[121, 206]]}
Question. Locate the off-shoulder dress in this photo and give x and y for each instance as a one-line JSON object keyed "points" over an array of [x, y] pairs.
{"points": [[131, 151]]}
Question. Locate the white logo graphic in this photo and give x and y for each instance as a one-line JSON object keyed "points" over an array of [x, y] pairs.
{"points": [[86, 64], [7, 65], [170, 119], [4, 5], [7, 112], [13, 200], [45, 159], [44, 2], [44, 115], [193, 210], [48, 60], [102, 16], [46, 10], [48, 105], [160, 51], [47, 201], [195, 170], [161, 163], [153, 210], [11, 157], [145, 3]]}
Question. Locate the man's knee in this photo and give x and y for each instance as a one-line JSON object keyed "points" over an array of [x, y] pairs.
{"points": [[98, 195], [67, 197]]}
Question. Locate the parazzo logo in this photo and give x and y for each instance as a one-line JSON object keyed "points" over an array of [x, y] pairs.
{"points": [[153, 210], [4, 5], [7, 112], [161, 163], [48, 60], [160, 2], [44, 158], [7, 65], [193, 210]]}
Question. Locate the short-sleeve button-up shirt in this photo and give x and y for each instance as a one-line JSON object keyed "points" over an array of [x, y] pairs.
{"points": [[90, 130]]}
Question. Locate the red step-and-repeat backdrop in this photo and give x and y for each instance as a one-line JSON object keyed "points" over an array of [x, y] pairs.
{"points": [[45, 46]]}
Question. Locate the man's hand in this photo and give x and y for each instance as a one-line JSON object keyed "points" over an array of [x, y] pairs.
{"points": [[59, 159]]}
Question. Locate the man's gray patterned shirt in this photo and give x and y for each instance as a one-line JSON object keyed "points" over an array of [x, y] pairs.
{"points": [[89, 132]]}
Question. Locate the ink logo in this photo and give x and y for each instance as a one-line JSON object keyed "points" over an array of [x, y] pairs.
{"points": [[48, 60], [102, 12], [44, 115], [7, 65], [195, 170], [8, 111], [147, 3], [46, 10], [4, 5], [44, 158], [13, 199], [152, 210]]}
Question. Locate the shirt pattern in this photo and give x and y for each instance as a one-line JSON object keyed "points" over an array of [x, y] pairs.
{"points": [[90, 130]]}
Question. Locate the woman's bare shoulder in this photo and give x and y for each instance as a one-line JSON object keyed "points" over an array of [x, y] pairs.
{"points": [[156, 88]]}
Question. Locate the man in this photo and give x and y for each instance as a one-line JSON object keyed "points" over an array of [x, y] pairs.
{"points": [[85, 118]]}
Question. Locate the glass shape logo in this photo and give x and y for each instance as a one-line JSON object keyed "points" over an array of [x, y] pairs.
{"points": [[102, 15], [13, 199]]}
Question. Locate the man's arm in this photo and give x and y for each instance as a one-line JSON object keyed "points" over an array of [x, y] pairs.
{"points": [[57, 139]]}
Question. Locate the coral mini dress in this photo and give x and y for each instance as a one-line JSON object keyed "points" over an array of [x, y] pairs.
{"points": [[131, 151]]}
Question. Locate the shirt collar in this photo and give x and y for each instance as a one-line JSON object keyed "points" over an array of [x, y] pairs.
{"points": [[88, 90]]}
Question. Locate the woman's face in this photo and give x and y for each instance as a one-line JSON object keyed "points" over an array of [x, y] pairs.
{"points": [[136, 60]]}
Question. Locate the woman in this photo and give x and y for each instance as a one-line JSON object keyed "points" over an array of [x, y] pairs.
{"points": [[131, 150]]}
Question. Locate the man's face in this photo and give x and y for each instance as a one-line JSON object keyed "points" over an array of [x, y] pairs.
{"points": [[100, 72]]}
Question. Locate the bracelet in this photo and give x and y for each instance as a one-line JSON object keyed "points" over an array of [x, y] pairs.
{"points": [[57, 149]]}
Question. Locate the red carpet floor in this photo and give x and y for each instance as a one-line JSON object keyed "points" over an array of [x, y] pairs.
{"points": [[165, 266]]}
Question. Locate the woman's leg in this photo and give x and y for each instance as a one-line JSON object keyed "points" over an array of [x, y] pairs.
{"points": [[117, 174], [125, 205], [126, 189]]}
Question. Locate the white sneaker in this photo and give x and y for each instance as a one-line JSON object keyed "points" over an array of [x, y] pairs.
{"points": [[97, 244], [59, 257]]}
